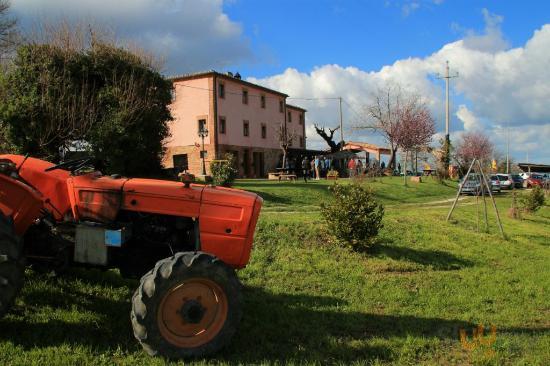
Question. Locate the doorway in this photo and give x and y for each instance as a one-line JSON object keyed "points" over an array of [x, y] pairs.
{"points": [[258, 164]]}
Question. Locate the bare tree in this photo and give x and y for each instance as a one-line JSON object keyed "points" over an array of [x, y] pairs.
{"points": [[285, 139], [328, 137]]}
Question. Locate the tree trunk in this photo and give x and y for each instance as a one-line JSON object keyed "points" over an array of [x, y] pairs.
{"points": [[392, 164], [405, 170]]}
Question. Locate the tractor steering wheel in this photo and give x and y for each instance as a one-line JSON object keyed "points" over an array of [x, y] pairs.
{"points": [[71, 165]]}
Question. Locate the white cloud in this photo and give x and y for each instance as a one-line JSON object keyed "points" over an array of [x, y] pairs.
{"points": [[492, 39], [192, 34], [470, 121], [501, 86]]}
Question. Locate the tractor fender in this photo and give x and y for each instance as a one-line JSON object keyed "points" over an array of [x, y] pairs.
{"points": [[20, 202]]}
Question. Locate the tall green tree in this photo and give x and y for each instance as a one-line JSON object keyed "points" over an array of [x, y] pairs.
{"points": [[112, 99]]}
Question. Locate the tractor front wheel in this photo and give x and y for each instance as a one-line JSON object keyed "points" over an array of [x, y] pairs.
{"points": [[189, 305], [11, 267]]}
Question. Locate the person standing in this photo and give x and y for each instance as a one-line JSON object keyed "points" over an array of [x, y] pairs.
{"points": [[305, 168], [351, 167], [359, 167], [317, 167]]}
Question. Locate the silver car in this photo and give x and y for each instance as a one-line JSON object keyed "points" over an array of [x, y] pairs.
{"points": [[473, 184]]}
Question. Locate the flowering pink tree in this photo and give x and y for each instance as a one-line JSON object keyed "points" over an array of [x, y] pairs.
{"points": [[416, 125], [415, 128], [473, 145]]}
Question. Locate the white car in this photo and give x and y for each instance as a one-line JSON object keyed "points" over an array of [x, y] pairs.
{"points": [[506, 181]]}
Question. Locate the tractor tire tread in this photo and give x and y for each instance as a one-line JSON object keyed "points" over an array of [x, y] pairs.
{"points": [[11, 264], [146, 299]]}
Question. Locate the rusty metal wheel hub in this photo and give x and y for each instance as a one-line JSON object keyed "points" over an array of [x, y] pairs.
{"points": [[192, 313]]}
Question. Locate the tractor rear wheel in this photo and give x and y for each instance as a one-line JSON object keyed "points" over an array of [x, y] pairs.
{"points": [[11, 266], [189, 305]]}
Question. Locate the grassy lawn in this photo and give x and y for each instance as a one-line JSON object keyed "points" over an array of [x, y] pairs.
{"points": [[308, 302]]}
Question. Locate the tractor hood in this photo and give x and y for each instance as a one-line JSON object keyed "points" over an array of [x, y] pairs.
{"points": [[98, 197]]}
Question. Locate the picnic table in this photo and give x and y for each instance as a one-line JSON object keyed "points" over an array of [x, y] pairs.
{"points": [[282, 174]]}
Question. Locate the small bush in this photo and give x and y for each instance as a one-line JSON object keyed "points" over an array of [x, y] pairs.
{"points": [[533, 200], [354, 216], [223, 171]]}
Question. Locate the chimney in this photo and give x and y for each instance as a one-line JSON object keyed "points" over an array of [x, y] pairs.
{"points": [[237, 75]]}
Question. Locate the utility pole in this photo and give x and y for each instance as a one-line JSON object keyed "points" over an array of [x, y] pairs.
{"points": [[447, 78], [507, 149], [341, 125]]}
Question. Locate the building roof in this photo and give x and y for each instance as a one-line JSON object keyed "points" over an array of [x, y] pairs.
{"points": [[296, 107], [539, 168], [203, 74], [364, 146]]}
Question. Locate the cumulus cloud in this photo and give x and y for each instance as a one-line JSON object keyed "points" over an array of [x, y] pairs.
{"points": [[502, 86], [492, 40], [470, 121], [192, 35]]}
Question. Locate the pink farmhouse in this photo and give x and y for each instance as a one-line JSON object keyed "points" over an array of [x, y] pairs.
{"points": [[241, 118]]}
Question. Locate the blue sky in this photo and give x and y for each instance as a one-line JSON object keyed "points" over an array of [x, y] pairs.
{"points": [[325, 49], [367, 34]]}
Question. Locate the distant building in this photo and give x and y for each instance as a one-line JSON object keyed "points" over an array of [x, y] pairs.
{"points": [[241, 118]]}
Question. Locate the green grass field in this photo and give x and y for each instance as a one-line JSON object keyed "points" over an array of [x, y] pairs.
{"points": [[309, 302]]}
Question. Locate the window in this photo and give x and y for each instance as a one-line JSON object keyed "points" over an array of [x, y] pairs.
{"points": [[246, 128], [290, 140], [245, 96], [262, 101], [222, 125], [301, 118], [281, 106], [222, 90], [202, 124], [181, 162], [173, 93], [301, 141], [204, 154], [264, 131], [289, 119]]}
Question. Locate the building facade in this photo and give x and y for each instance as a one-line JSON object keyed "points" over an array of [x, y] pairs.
{"points": [[241, 118]]}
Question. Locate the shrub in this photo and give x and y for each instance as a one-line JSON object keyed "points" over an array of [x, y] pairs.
{"points": [[533, 200], [223, 171], [353, 216]]}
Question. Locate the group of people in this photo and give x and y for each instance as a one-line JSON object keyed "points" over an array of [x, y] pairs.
{"points": [[318, 167], [357, 168], [315, 168]]}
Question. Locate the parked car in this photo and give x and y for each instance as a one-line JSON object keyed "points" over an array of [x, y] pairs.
{"points": [[473, 184], [524, 175], [533, 180], [495, 184], [506, 181], [518, 181]]}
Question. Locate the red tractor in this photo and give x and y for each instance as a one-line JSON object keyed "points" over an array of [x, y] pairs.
{"points": [[183, 240]]}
